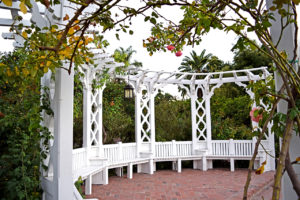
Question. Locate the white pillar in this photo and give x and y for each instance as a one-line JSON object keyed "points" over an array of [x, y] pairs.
{"points": [[194, 122], [286, 44], [86, 120], [138, 111], [208, 120], [63, 135], [152, 122], [100, 121]]}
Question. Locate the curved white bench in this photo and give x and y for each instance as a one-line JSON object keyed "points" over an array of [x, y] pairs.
{"points": [[94, 170]]}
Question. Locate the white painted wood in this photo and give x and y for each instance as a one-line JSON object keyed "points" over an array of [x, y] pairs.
{"points": [[152, 122], [88, 185], [119, 171], [86, 121], [63, 135], [138, 141], [232, 164], [231, 147], [208, 118], [174, 165], [194, 124], [120, 154], [179, 165], [286, 44], [129, 171]]}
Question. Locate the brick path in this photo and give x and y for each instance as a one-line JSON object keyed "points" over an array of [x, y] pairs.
{"points": [[216, 184]]}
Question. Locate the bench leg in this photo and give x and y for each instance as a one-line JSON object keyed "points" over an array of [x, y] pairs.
{"points": [[232, 164], [139, 168], [88, 185], [119, 171], [146, 168], [179, 165], [129, 171], [196, 164], [256, 164], [205, 163], [101, 177], [209, 164], [154, 166], [174, 165]]}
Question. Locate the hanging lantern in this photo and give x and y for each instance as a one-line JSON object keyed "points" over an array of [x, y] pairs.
{"points": [[128, 92], [199, 93]]}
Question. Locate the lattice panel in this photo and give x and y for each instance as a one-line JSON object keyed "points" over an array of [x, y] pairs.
{"points": [[48, 90], [145, 118], [261, 104], [200, 116], [95, 130]]}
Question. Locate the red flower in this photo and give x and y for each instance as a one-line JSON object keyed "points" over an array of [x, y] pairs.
{"points": [[257, 118], [112, 103], [1, 115], [178, 53], [170, 47]]}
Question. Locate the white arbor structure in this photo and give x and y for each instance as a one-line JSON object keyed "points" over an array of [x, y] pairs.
{"points": [[94, 159]]}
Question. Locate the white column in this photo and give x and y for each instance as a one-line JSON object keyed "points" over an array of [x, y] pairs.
{"points": [[138, 111], [86, 116], [208, 121], [86, 120], [152, 122], [63, 135], [286, 44], [194, 122], [100, 121]]}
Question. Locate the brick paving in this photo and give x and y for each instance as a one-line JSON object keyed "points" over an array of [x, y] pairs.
{"points": [[216, 184]]}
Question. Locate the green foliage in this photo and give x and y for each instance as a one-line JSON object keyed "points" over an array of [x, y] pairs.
{"points": [[118, 114], [195, 63], [20, 132], [172, 119], [122, 55], [78, 113], [78, 185], [248, 58], [230, 114]]}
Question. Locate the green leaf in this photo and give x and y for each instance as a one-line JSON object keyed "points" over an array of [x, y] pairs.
{"points": [[153, 21], [147, 18], [130, 32], [294, 112]]}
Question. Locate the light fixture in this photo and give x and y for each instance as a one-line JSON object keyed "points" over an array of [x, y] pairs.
{"points": [[128, 90]]}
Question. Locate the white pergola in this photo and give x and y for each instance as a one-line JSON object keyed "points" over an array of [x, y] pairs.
{"points": [[94, 159]]}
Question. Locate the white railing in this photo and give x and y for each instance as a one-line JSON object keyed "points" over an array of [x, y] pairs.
{"points": [[115, 153], [243, 147], [111, 152], [184, 148], [79, 158], [220, 147], [129, 151], [164, 150], [119, 152], [172, 149]]}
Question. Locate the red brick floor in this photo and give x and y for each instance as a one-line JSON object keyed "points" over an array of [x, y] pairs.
{"points": [[216, 184]]}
